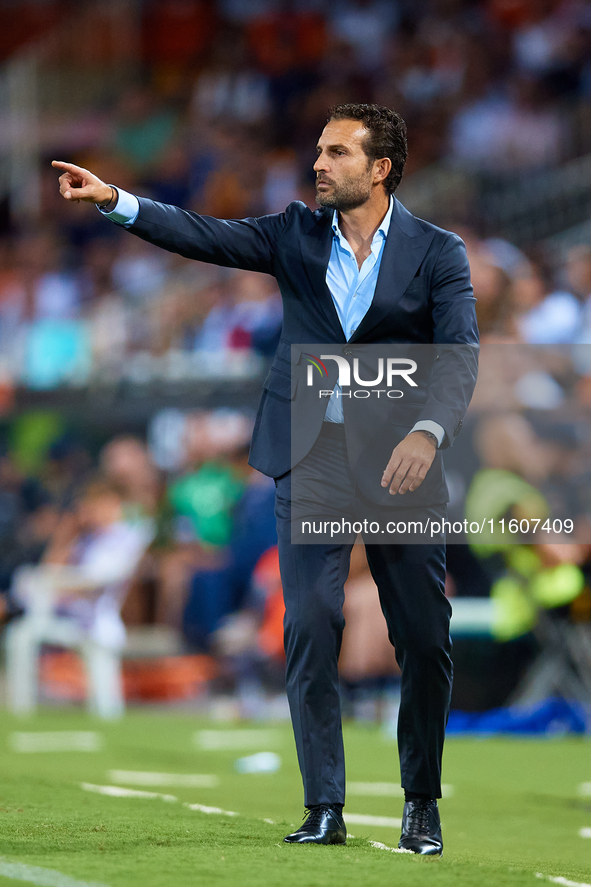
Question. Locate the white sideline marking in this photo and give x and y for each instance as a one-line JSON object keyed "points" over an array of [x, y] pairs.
{"points": [[585, 788], [353, 818], [140, 777], [116, 791], [379, 846], [585, 833], [201, 808], [560, 880], [224, 740], [19, 871], [59, 740], [381, 821], [387, 789]]}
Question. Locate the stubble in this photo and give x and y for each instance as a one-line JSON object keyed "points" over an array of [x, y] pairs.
{"points": [[345, 195]]}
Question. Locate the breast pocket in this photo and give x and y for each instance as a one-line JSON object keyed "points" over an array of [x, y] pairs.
{"points": [[418, 287], [415, 302]]}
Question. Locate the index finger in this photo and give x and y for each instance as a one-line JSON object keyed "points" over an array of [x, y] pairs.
{"points": [[69, 167]]}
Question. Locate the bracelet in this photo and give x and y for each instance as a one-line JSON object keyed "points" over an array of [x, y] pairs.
{"points": [[112, 199], [430, 435]]}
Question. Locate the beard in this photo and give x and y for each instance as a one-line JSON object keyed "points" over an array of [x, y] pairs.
{"points": [[346, 195]]}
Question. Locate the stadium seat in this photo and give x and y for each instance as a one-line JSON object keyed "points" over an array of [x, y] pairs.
{"points": [[72, 607]]}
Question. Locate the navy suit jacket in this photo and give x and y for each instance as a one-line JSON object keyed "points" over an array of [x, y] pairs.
{"points": [[423, 296]]}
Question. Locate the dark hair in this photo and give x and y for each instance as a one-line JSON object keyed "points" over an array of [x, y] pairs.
{"points": [[386, 136]]}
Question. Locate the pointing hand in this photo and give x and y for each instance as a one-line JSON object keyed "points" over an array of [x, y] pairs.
{"points": [[77, 183]]}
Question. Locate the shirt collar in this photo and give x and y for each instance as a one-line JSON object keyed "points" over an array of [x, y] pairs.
{"points": [[382, 230]]}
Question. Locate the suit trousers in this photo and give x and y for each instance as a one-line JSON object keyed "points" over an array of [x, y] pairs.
{"points": [[410, 579]]}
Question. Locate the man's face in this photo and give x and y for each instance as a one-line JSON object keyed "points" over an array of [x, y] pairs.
{"points": [[344, 172], [99, 511]]}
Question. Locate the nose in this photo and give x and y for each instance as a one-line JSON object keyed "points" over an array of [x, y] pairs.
{"points": [[321, 163]]}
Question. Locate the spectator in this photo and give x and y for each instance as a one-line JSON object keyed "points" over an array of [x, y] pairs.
{"points": [[144, 130], [578, 277], [251, 315], [202, 500], [509, 132], [544, 315], [126, 462], [230, 88], [366, 25]]}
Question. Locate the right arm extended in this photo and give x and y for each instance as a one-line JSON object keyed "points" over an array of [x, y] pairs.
{"points": [[237, 243]]}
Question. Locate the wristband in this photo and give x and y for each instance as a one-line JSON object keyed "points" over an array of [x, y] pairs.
{"points": [[112, 199]]}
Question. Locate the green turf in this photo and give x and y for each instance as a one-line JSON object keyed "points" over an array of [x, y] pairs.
{"points": [[514, 812]]}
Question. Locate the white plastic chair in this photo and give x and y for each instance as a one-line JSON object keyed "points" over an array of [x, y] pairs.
{"points": [[77, 607]]}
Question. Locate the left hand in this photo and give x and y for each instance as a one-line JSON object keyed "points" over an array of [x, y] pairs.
{"points": [[409, 463]]}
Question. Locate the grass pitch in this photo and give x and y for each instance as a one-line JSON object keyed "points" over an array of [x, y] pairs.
{"points": [[515, 810]]}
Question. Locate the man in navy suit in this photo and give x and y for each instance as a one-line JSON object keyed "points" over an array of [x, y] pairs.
{"points": [[359, 271]]}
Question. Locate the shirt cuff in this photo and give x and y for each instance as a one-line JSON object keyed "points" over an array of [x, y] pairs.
{"points": [[126, 209], [428, 425]]}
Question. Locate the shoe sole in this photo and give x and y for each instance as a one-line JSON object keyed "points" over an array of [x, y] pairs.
{"points": [[317, 843], [416, 853]]}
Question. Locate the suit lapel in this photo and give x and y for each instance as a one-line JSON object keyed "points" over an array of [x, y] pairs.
{"points": [[316, 247], [404, 250]]}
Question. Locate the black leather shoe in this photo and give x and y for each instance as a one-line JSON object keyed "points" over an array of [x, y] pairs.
{"points": [[421, 828], [323, 825]]}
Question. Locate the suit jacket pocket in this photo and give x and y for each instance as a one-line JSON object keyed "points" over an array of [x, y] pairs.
{"points": [[281, 384]]}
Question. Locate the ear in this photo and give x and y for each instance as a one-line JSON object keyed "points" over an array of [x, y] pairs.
{"points": [[381, 170]]}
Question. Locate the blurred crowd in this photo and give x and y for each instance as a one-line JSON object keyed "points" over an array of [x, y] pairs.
{"points": [[204, 529], [222, 116]]}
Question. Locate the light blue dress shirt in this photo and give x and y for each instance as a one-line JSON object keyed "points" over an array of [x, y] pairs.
{"points": [[352, 288], [126, 209]]}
